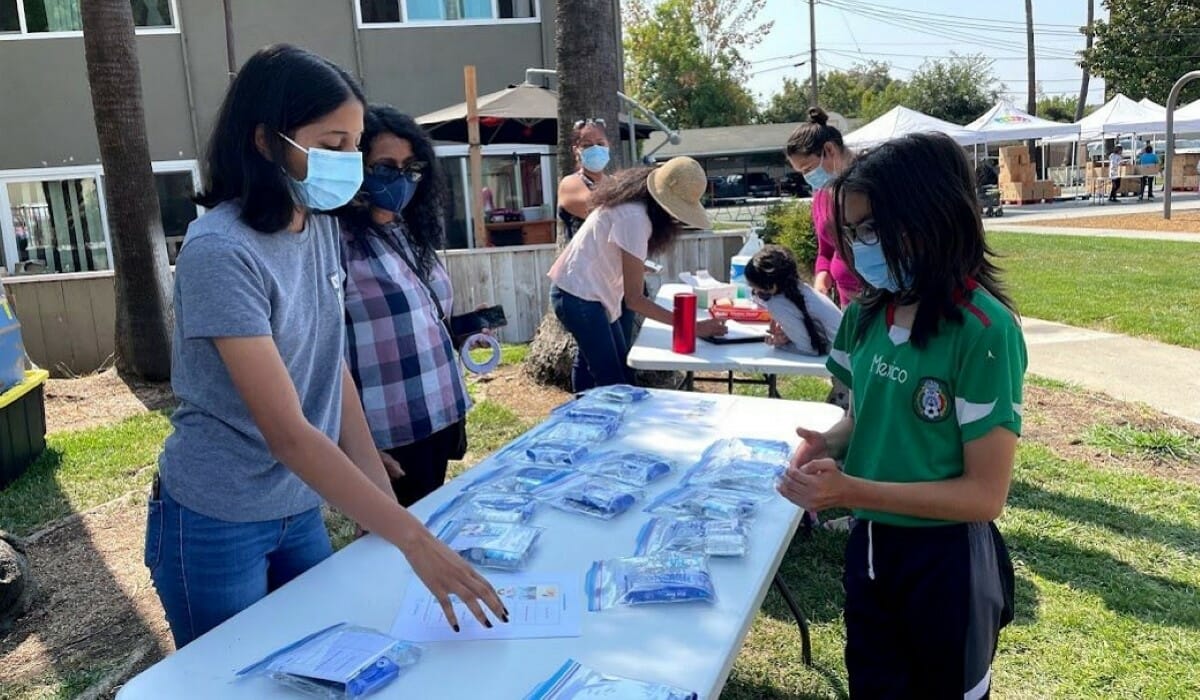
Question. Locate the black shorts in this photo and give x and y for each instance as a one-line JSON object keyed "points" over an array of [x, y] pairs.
{"points": [[924, 609], [425, 461]]}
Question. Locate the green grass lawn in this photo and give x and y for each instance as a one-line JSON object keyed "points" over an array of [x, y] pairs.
{"points": [[1142, 288]]}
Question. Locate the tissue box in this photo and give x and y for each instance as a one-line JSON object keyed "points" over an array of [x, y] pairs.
{"points": [[739, 310], [707, 296]]}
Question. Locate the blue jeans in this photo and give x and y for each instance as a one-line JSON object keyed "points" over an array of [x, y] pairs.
{"points": [[600, 360], [207, 570]]}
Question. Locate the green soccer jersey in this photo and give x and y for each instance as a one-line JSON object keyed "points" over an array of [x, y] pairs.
{"points": [[914, 409]]}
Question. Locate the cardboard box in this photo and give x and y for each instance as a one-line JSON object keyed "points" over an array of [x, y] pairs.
{"points": [[1017, 191], [1148, 170]]}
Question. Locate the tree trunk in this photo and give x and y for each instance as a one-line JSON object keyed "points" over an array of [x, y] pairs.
{"points": [[142, 274], [589, 76], [16, 581], [1035, 156], [1087, 73]]}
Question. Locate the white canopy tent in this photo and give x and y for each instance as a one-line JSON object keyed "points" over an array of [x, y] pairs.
{"points": [[1121, 115], [1151, 104], [900, 121], [1007, 122], [1187, 118]]}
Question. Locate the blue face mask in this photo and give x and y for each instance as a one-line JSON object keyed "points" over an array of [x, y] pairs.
{"points": [[594, 158], [818, 177], [392, 195], [334, 177], [871, 265]]}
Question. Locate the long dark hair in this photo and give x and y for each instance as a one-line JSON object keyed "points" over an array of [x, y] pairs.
{"points": [[423, 216], [775, 266], [281, 88], [929, 227], [809, 138], [631, 186]]}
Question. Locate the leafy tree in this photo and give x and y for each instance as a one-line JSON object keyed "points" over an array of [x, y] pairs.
{"points": [[1145, 46], [839, 91], [684, 59], [876, 104], [1057, 108], [956, 89]]}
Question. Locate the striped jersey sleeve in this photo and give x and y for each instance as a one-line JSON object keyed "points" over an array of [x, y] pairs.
{"points": [[838, 363], [989, 386]]}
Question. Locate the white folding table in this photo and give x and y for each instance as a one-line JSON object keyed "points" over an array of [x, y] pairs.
{"points": [[652, 351], [690, 645]]}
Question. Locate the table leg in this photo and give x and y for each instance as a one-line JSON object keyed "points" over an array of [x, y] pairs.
{"points": [[730, 383], [801, 620], [773, 387], [689, 381]]}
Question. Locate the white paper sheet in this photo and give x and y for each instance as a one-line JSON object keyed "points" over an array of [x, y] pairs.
{"points": [[737, 329], [539, 606]]}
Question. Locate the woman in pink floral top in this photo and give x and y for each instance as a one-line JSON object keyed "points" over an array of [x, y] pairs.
{"points": [[815, 150]]}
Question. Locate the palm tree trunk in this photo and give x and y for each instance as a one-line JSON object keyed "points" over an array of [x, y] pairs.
{"points": [[142, 274], [1031, 101], [589, 76], [1087, 73]]}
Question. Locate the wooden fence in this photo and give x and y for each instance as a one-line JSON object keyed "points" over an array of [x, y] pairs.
{"points": [[67, 321]]}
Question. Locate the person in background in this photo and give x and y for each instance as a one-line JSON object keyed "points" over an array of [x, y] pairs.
{"points": [[638, 212], [589, 143], [802, 320], [816, 151], [1114, 171], [1147, 158], [269, 424], [934, 352], [398, 298]]}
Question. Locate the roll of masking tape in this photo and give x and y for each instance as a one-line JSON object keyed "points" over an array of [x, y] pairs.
{"points": [[492, 362]]}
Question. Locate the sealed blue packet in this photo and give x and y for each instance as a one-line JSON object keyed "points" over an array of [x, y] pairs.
{"points": [[666, 577], [587, 429], [492, 506], [557, 451], [618, 393], [340, 662], [716, 538], [700, 502], [504, 546], [586, 409], [749, 449], [593, 495], [637, 468], [574, 681], [735, 474], [520, 478]]}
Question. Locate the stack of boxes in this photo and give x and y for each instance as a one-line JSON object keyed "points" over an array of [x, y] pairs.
{"points": [[1183, 171], [1018, 181]]}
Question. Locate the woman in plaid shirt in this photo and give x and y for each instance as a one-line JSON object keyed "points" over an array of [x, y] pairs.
{"points": [[398, 301]]}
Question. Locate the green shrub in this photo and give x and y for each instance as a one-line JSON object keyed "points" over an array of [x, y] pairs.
{"points": [[790, 224]]}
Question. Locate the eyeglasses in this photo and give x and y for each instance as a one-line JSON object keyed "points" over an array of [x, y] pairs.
{"points": [[386, 172], [762, 295], [591, 121], [862, 232]]}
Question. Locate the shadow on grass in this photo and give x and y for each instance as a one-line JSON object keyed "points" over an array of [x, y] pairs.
{"points": [[1027, 602], [812, 569], [1119, 519], [744, 689]]}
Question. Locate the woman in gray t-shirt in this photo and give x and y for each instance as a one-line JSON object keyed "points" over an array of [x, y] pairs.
{"points": [[269, 423]]}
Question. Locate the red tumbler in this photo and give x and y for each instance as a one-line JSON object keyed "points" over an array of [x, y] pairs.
{"points": [[683, 337]]}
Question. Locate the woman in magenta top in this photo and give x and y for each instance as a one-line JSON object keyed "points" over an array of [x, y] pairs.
{"points": [[815, 150]]}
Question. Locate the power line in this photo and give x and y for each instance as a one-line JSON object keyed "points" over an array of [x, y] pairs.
{"points": [[994, 25]]}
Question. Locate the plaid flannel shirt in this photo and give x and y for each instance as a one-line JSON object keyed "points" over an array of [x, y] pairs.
{"points": [[399, 351]]}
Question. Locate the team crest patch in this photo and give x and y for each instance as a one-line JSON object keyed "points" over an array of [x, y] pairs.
{"points": [[931, 400]]}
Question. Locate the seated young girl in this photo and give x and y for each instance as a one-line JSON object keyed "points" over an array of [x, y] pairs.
{"points": [[803, 320]]}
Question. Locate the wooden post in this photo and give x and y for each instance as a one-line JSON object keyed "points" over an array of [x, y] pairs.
{"points": [[476, 158]]}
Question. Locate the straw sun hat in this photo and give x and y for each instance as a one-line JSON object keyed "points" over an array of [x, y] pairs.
{"points": [[677, 186]]}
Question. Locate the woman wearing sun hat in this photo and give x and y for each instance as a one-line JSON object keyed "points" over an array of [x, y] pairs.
{"points": [[636, 213]]}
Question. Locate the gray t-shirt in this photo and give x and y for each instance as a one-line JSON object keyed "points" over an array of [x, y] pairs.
{"points": [[789, 318], [232, 281]]}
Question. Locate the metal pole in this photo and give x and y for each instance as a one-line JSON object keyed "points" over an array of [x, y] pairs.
{"points": [[632, 142], [1171, 102], [812, 49], [229, 57]]}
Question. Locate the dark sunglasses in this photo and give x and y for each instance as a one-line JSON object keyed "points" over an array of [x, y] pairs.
{"points": [[864, 232], [596, 121], [386, 172]]}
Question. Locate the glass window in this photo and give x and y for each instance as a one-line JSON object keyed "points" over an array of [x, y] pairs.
{"points": [[175, 192], [457, 225], [388, 11], [377, 11], [58, 226], [43, 16]]}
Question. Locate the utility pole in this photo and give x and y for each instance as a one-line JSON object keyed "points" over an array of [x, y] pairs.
{"points": [[812, 50], [1031, 105], [1087, 73]]}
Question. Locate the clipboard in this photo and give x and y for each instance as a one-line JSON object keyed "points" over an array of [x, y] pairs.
{"points": [[739, 333]]}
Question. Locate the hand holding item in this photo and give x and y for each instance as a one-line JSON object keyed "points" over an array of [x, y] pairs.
{"points": [[710, 327], [815, 486], [775, 336]]}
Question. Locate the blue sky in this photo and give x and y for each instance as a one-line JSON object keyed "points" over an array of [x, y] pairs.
{"points": [[845, 37]]}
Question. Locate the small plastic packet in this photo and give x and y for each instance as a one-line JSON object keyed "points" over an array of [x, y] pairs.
{"points": [[492, 506], [588, 409], [579, 430], [521, 478], [716, 538], [666, 577], [339, 662], [749, 449], [504, 546], [593, 495], [735, 474], [618, 393], [637, 468], [699, 502], [573, 681]]}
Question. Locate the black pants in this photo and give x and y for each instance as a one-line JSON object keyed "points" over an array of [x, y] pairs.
{"points": [[424, 462], [924, 609], [1147, 187], [1116, 184]]}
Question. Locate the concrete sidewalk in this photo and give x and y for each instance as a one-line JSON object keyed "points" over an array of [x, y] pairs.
{"points": [[1164, 377], [1032, 227]]}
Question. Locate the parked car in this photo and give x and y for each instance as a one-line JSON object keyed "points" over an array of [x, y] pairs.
{"points": [[794, 184], [725, 189], [761, 185]]}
